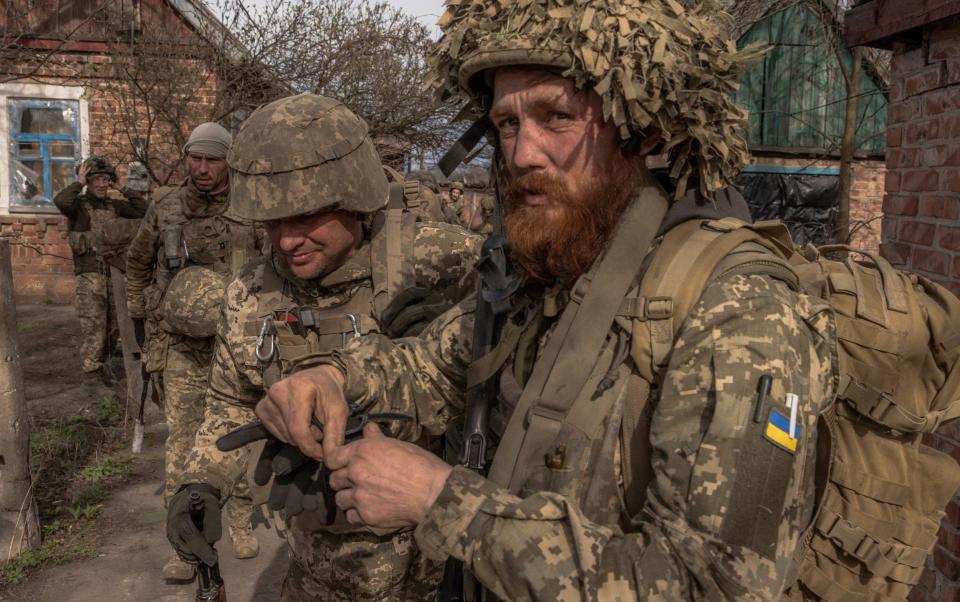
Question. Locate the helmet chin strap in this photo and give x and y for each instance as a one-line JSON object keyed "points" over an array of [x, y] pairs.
{"points": [[464, 144]]}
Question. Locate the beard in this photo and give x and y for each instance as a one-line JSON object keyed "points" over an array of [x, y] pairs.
{"points": [[561, 248]]}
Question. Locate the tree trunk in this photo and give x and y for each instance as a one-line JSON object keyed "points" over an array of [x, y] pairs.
{"points": [[19, 526], [848, 143]]}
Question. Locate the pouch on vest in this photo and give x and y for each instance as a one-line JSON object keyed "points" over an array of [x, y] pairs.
{"points": [[174, 251], [881, 492]]}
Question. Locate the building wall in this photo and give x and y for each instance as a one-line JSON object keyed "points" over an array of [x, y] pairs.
{"points": [[922, 204], [43, 268], [866, 195], [921, 231]]}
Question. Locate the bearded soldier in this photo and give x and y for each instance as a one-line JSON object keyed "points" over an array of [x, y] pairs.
{"points": [[337, 269], [178, 264], [629, 463], [88, 207]]}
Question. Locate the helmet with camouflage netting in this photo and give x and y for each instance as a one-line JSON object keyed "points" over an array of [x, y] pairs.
{"points": [[191, 304], [655, 64], [100, 165], [304, 154]]}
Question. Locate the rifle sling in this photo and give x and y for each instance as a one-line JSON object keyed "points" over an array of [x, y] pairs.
{"points": [[576, 342]]}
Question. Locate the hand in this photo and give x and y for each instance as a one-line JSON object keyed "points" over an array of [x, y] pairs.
{"points": [[193, 544], [411, 311], [289, 404], [383, 482], [82, 174]]}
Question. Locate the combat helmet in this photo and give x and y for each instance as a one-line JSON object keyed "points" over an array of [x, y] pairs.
{"points": [[100, 165], [304, 154], [457, 185], [191, 304], [655, 63]]}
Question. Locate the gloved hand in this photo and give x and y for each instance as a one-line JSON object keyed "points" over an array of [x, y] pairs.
{"points": [[411, 311], [193, 523], [299, 482]]}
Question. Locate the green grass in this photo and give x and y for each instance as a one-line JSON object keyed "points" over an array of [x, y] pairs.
{"points": [[76, 461]]}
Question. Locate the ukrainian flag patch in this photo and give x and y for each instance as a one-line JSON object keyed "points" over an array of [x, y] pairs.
{"points": [[777, 432]]}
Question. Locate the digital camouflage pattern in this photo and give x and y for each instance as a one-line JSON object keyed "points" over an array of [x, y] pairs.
{"points": [[209, 235], [318, 156], [87, 218], [97, 314], [724, 508], [658, 64], [192, 301], [327, 565]]}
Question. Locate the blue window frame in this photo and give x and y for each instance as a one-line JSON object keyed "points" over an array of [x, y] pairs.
{"points": [[44, 149]]}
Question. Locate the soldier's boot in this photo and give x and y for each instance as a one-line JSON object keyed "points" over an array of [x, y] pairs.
{"points": [[178, 570], [239, 515]]}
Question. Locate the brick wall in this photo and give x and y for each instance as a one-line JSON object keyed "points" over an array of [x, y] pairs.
{"points": [[920, 226], [47, 278], [922, 204], [866, 195]]}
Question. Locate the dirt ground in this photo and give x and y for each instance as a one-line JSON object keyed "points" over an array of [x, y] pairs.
{"points": [[124, 543]]}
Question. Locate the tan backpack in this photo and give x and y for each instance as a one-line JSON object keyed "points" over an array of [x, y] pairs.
{"points": [[881, 493]]}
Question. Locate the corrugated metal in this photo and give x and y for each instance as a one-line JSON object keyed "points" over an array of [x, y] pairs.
{"points": [[796, 96]]}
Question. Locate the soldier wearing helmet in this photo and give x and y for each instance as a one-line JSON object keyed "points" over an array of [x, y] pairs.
{"points": [[632, 461], [345, 259], [454, 206], [190, 242], [89, 207]]}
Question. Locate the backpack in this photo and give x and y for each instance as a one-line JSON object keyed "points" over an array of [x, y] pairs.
{"points": [[880, 492]]}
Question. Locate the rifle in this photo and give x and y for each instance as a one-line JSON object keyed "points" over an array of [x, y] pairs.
{"points": [[210, 587], [145, 381], [496, 285]]}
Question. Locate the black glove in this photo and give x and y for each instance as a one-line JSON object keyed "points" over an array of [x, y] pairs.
{"points": [[411, 311], [193, 523], [139, 332]]}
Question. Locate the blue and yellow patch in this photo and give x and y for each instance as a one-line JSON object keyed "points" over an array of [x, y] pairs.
{"points": [[777, 432]]}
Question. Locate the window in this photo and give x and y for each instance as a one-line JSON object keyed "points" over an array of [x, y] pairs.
{"points": [[44, 137]]}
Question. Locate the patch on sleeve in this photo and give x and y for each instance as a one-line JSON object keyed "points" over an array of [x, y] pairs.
{"points": [[777, 432]]}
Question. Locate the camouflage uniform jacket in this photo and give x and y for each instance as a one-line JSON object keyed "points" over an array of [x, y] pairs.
{"points": [[720, 511], [442, 258], [86, 215], [206, 234]]}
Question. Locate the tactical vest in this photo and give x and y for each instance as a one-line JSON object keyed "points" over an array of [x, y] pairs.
{"points": [[290, 327], [218, 242], [85, 242]]}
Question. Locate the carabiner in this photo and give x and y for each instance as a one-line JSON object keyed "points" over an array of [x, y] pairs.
{"points": [[262, 357], [355, 324]]}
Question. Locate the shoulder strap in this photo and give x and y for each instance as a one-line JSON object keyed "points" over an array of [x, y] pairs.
{"points": [[392, 252], [688, 258], [563, 367]]}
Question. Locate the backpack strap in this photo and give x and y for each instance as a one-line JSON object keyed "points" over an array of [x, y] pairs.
{"points": [[561, 372], [392, 251], [689, 256]]}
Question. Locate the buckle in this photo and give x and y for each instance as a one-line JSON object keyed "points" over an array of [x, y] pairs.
{"points": [[264, 357], [659, 308], [579, 289]]}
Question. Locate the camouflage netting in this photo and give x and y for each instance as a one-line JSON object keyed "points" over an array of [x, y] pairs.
{"points": [[653, 62]]}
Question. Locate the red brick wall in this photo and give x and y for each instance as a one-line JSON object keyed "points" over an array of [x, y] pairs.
{"points": [[922, 204], [921, 230], [866, 195], [44, 278]]}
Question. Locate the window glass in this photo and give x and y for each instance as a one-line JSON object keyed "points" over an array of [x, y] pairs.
{"points": [[44, 149]]}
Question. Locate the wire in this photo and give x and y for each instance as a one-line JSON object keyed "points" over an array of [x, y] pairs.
{"points": [[33, 247]]}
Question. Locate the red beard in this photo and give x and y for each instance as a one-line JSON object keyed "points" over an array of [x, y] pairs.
{"points": [[561, 248]]}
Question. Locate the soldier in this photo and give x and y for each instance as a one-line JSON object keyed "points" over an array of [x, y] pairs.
{"points": [[88, 206], [629, 464], [306, 168], [454, 209], [189, 244]]}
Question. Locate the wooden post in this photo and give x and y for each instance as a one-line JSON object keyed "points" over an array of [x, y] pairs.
{"points": [[19, 525], [131, 351]]}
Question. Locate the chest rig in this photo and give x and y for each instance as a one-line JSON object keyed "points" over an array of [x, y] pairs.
{"points": [[215, 241], [84, 238], [296, 322]]}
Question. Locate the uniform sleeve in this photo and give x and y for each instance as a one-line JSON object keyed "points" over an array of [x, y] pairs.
{"points": [[134, 207], [141, 259], [67, 199], [424, 377], [230, 400], [726, 507]]}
